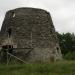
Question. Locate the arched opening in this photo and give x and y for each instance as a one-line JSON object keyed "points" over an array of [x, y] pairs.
{"points": [[9, 32], [57, 48], [13, 14]]}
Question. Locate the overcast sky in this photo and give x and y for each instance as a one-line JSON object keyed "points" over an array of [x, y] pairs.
{"points": [[62, 11]]}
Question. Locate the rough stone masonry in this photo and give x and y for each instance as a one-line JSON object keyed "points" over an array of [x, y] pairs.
{"points": [[30, 35]]}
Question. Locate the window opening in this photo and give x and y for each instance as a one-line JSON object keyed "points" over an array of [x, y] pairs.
{"points": [[13, 14], [9, 32], [57, 49]]}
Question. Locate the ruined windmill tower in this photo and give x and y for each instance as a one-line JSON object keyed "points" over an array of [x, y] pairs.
{"points": [[31, 34]]}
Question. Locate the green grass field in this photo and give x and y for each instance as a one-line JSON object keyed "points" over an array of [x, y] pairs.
{"points": [[59, 68]]}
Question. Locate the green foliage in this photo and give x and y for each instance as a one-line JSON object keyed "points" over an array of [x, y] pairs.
{"points": [[58, 68], [67, 42], [70, 56]]}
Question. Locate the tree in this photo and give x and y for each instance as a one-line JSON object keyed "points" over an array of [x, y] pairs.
{"points": [[67, 42]]}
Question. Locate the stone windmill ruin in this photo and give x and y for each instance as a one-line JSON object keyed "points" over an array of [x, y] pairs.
{"points": [[28, 34]]}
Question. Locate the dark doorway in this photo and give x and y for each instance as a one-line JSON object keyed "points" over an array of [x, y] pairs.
{"points": [[9, 32], [8, 48], [5, 49]]}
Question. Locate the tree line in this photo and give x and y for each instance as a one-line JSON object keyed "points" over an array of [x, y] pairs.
{"points": [[67, 45]]}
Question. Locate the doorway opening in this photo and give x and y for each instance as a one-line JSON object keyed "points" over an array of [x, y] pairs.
{"points": [[4, 52]]}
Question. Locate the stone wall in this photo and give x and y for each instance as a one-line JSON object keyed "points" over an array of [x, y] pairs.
{"points": [[32, 28]]}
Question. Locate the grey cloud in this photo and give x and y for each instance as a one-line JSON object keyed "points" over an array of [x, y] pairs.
{"points": [[62, 11]]}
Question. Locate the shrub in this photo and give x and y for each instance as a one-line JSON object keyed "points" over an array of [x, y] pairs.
{"points": [[70, 56]]}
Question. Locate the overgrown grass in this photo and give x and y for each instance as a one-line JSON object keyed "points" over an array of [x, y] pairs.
{"points": [[59, 68]]}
